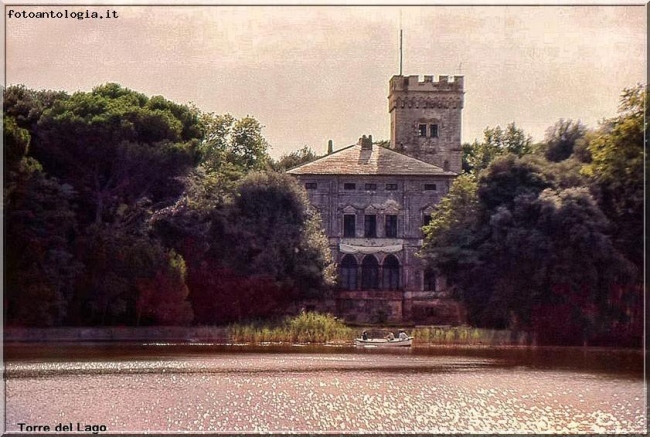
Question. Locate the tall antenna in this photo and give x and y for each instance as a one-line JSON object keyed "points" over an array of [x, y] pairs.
{"points": [[400, 42]]}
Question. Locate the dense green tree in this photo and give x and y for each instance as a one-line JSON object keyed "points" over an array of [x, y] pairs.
{"points": [[450, 235], [527, 247], [509, 177], [128, 209], [40, 269], [26, 105], [617, 170], [185, 225], [294, 159], [39, 225], [129, 279], [162, 298], [258, 239], [562, 138], [116, 147], [15, 144], [230, 148], [315, 271], [268, 229], [496, 142], [554, 250]]}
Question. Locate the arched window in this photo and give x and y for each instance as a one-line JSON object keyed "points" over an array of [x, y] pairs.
{"points": [[370, 273], [349, 273], [429, 280], [391, 273]]}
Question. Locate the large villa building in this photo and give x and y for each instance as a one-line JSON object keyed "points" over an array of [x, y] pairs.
{"points": [[374, 201]]}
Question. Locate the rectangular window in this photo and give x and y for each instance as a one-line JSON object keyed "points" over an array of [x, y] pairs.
{"points": [[391, 187], [370, 226], [426, 219], [391, 226], [371, 187], [434, 130], [349, 225], [422, 129], [429, 187], [349, 186], [311, 186]]}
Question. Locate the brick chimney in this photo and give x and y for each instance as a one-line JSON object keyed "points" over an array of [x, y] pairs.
{"points": [[365, 143]]}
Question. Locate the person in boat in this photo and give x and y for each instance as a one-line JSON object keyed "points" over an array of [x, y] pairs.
{"points": [[402, 335], [390, 336], [364, 335]]}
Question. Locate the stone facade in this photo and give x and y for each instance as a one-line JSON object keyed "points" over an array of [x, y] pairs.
{"points": [[373, 202], [425, 119]]}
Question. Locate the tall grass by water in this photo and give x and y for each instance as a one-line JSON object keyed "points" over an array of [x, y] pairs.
{"points": [[313, 327], [307, 327], [445, 335]]}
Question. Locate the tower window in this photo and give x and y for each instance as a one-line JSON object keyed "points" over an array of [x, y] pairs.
{"points": [[371, 187], [434, 130], [311, 185], [391, 187], [429, 187], [391, 226], [370, 226], [349, 186], [349, 225], [422, 129]]}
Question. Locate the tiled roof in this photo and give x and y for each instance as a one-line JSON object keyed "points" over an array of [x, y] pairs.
{"points": [[354, 160]]}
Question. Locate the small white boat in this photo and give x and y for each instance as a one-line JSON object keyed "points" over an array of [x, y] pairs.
{"points": [[383, 342]]}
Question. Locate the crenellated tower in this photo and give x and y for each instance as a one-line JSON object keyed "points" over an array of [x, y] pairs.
{"points": [[425, 119]]}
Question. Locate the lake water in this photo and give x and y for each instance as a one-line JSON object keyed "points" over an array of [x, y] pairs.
{"points": [[209, 388]]}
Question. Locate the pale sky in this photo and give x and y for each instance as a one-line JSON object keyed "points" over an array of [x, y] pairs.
{"points": [[314, 73]]}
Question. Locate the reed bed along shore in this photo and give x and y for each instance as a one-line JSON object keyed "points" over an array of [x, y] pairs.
{"points": [[467, 335], [306, 327], [311, 327]]}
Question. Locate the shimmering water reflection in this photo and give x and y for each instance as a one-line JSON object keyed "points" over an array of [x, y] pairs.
{"points": [[213, 388]]}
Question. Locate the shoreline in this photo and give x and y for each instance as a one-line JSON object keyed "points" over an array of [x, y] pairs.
{"points": [[116, 334], [424, 337], [220, 336]]}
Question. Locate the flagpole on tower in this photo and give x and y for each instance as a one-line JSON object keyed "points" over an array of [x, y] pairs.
{"points": [[400, 42]]}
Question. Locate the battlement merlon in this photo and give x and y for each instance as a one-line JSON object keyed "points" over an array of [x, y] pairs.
{"points": [[413, 83]]}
